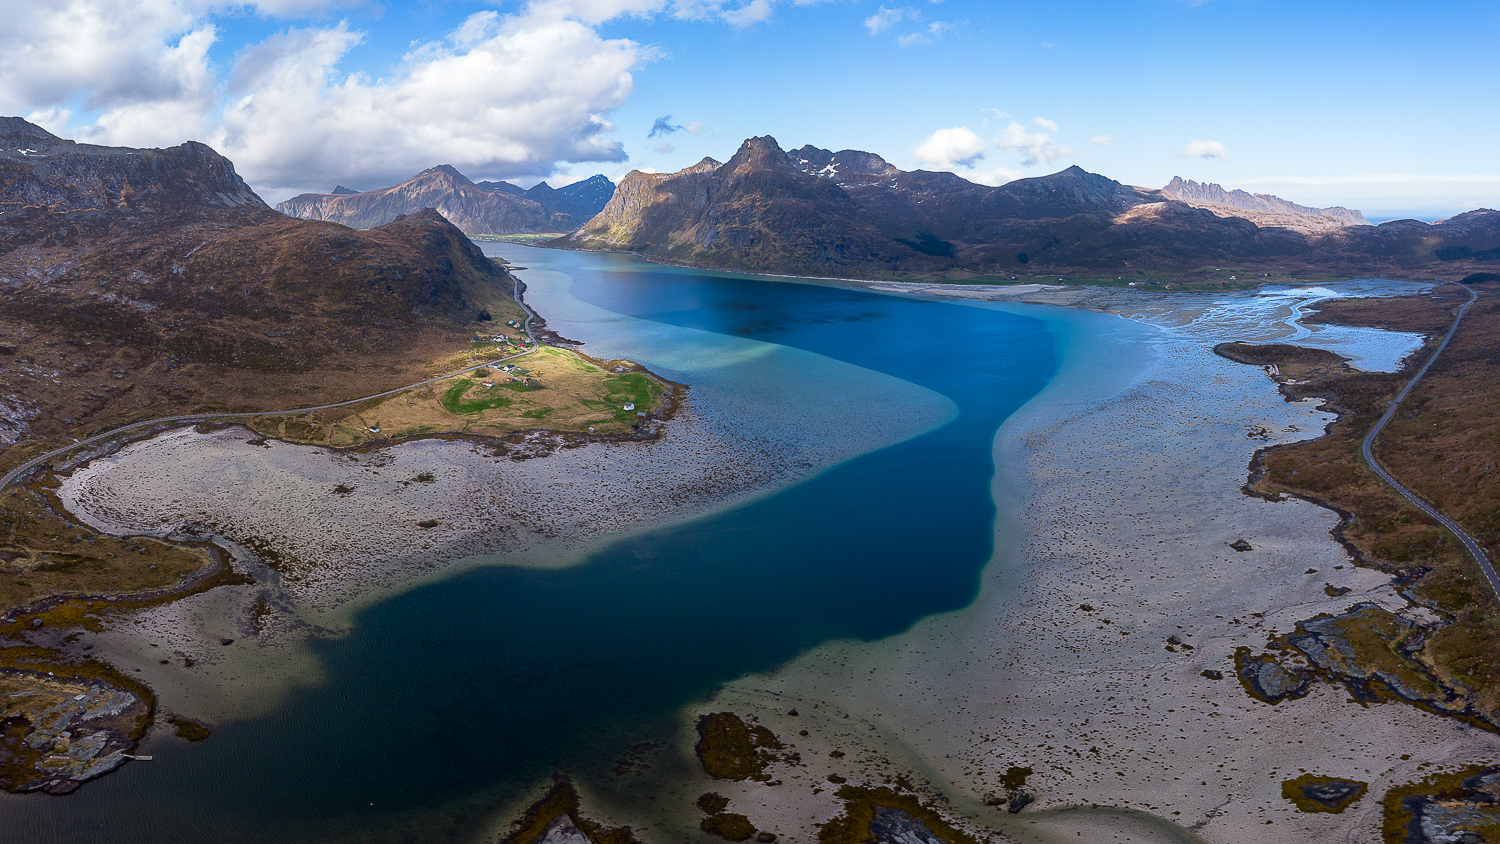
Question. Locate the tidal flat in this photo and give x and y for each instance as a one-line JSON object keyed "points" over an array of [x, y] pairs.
{"points": [[956, 539], [1099, 651]]}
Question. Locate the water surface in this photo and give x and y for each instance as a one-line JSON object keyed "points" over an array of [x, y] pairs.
{"points": [[446, 701]]}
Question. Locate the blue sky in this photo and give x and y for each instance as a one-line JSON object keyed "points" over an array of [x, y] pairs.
{"points": [[1388, 107]]}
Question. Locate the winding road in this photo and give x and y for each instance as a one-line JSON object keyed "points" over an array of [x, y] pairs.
{"points": [[15, 474], [1367, 447]]}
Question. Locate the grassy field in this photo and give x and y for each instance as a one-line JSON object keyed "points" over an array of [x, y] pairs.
{"points": [[550, 388]]}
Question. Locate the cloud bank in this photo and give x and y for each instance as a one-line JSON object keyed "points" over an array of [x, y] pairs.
{"points": [[504, 95]]}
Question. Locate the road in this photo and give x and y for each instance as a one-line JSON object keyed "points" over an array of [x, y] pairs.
{"points": [[13, 475], [1367, 447]]}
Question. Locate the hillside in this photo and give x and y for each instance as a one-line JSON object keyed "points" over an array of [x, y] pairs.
{"points": [[487, 208], [135, 282], [852, 214]]}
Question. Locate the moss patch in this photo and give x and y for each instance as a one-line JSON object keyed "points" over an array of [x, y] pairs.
{"points": [[1314, 793], [562, 799], [729, 826], [1450, 803], [731, 749], [860, 808], [189, 729]]}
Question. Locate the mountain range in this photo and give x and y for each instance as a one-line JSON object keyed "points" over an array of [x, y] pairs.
{"points": [[485, 208], [852, 214], [1262, 209]]}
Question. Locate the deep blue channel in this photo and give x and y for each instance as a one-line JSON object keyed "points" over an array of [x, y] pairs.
{"points": [[447, 700]]}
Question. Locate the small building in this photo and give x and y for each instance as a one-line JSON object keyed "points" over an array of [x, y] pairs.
{"points": [[374, 429], [630, 405], [487, 384]]}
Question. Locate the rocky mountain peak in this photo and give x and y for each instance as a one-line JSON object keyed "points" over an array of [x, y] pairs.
{"points": [[447, 170], [845, 166], [340, 190], [762, 153], [18, 130]]}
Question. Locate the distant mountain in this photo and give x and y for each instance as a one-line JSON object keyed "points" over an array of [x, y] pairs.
{"points": [[475, 210], [851, 213], [482, 208], [581, 199], [503, 187], [1262, 209]]}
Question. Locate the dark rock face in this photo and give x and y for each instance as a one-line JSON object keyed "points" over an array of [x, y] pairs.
{"points": [[893, 826], [1268, 680]]}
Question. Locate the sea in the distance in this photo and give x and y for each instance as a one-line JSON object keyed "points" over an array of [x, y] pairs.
{"points": [[445, 702]]}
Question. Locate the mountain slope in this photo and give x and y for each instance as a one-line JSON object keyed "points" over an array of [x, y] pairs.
{"points": [[851, 213], [162, 271], [475, 210]]}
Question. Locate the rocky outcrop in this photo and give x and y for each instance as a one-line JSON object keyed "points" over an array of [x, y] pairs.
{"points": [[60, 732], [475, 210], [1261, 209]]}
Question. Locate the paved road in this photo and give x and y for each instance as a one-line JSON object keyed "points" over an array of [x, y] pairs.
{"points": [[1468, 541], [14, 474]]}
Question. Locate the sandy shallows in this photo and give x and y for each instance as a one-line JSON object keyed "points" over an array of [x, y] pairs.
{"points": [[324, 533], [1126, 495]]}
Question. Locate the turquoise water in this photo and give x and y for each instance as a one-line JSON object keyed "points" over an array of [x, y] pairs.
{"points": [[445, 702]]}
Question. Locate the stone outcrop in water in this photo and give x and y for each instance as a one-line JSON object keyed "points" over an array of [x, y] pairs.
{"points": [[59, 732]]}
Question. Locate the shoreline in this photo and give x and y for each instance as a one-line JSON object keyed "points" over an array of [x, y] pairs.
{"points": [[1030, 673]]}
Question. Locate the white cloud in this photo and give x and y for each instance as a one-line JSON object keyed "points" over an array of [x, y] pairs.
{"points": [[1034, 147], [756, 11], [507, 94], [993, 178], [1204, 149], [933, 31], [503, 96], [664, 148], [886, 18], [1102, 140], [946, 149], [1045, 123]]}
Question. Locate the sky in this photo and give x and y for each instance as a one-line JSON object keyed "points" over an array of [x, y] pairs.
{"points": [[1387, 107]]}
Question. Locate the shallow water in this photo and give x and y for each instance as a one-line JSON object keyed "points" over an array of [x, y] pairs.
{"points": [[443, 701], [877, 417]]}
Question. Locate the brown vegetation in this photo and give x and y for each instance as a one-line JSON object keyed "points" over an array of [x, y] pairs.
{"points": [[1442, 445]]}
